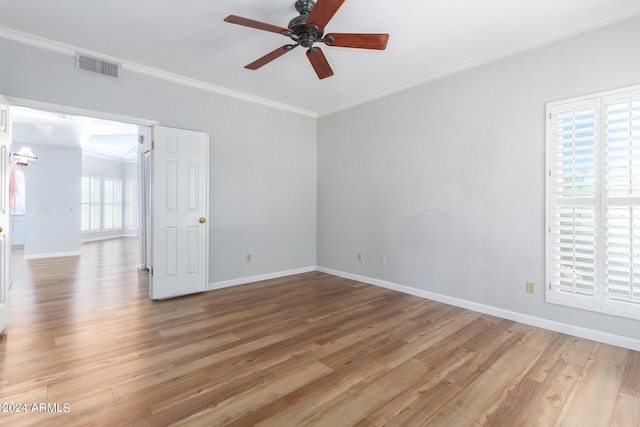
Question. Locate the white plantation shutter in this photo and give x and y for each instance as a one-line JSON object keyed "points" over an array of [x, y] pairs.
{"points": [[593, 203], [623, 254], [575, 155], [573, 231], [101, 204], [623, 148], [574, 251], [622, 288], [113, 203], [90, 203]]}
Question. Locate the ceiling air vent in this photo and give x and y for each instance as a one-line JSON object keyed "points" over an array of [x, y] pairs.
{"points": [[98, 66]]}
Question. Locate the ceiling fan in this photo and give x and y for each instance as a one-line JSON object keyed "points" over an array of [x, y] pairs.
{"points": [[307, 29]]}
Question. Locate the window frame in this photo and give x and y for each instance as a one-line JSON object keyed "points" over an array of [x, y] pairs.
{"points": [[600, 302]]}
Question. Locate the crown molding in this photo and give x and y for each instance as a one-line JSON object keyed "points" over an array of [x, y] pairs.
{"points": [[62, 48], [106, 157], [66, 49], [596, 22]]}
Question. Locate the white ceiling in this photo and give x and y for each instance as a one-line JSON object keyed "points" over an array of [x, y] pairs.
{"points": [[103, 138], [428, 39]]}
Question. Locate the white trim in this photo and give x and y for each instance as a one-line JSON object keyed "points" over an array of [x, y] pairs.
{"points": [[175, 78], [110, 237], [259, 278], [105, 157], [578, 331], [621, 90], [77, 111], [52, 255], [66, 49]]}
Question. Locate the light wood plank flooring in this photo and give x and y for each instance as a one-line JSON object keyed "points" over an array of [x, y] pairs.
{"points": [[310, 349]]}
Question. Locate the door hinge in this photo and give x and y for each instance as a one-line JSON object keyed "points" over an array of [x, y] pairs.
{"points": [[152, 271], [153, 144]]}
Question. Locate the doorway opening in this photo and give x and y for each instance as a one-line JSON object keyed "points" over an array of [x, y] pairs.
{"points": [[85, 186]]}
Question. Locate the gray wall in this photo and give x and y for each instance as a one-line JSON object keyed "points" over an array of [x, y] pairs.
{"points": [[99, 166], [52, 201], [262, 160], [446, 180]]}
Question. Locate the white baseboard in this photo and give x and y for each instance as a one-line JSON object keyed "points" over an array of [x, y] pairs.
{"points": [[100, 238], [603, 337], [52, 255], [258, 278]]}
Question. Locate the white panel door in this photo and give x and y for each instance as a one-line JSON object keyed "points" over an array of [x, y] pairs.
{"points": [[179, 215], [5, 215]]}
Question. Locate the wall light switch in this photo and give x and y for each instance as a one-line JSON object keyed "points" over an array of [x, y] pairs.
{"points": [[531, 287]]}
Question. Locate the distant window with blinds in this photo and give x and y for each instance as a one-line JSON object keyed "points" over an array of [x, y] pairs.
{"points": [[593, 203], [101, 204], [90, 204], [112, 204]]}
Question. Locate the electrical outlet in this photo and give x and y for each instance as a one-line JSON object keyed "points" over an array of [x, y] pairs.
{"points": [[359, 256], [531, 287], [383, 260], [247, 257]]}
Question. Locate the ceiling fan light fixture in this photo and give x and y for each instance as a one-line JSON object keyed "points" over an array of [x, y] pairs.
{"points": [[23, 157], [307, 29]]}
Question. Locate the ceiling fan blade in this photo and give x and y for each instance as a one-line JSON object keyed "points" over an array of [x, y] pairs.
{"points": [[256, 24], [270, 56], [323, 11], [319, 63], [359, 41]]}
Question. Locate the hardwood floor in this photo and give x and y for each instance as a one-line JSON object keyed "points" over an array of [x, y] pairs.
{"points": [[310, 349]]}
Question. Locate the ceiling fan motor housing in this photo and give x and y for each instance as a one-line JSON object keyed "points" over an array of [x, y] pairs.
{"points": [[305, 6], [303, 34]]}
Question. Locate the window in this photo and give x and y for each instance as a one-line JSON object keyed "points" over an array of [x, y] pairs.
{"points": [[90, 203], [131, 204], [101, 203], [112, 205], [593, 203]]}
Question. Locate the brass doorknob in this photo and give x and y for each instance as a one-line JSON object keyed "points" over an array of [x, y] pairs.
{"points": [[0, 229], [202, 220]]}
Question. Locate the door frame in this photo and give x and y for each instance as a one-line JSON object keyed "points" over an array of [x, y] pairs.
{"points": [[5, 212], [66, 109]]}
